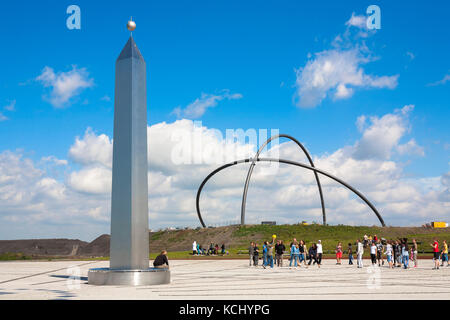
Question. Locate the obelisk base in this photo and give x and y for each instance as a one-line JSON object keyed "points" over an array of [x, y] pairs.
{"points": [[145, 277]]}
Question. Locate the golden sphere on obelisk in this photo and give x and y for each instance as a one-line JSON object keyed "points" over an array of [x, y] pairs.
{"points": [[131, 25]]}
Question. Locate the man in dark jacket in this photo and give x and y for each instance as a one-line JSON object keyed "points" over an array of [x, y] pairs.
{"points": [[161, 261], [255, 254], [279, 251]]}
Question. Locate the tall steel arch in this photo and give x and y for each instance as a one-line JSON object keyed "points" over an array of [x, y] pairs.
{"points": [[250, 171]]}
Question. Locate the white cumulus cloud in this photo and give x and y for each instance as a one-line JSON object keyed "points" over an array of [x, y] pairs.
{"points": [[339, 71], [64, 85], [383, 135], [197, 108], [359, 21]]}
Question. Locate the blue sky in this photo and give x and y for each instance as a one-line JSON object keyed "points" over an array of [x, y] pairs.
{"points": [[257, 51]]}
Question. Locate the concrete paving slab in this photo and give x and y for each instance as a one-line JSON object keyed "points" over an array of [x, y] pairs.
{"points": [[228, 279]]}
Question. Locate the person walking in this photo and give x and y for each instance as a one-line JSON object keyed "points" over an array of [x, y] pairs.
{"points": [[373, 253], [251, 252], [270, 248], [394, 252], [302, 252], [389, 253], [380, 249], [294, 254], [265, 254], [350, 253], [255, 255], [405, 253], [279, 251], [398, 251], [338, 253], [444, 253], [312, 252], [435, 246], [415, 252], [319, 252], [294, 241], [359, 253]]}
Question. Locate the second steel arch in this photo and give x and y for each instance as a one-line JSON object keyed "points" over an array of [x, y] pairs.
{"points": [[255, 159]]}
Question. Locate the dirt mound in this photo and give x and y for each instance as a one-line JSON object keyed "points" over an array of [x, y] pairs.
{"points": [[42, 247], [97, 248]]}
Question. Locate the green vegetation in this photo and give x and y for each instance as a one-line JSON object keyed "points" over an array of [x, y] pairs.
{"points": [[14, 256], [156, 235]]}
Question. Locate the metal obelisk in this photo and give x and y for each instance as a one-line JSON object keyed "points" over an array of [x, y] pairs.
{"points": [[129, 198], [129, 248]]}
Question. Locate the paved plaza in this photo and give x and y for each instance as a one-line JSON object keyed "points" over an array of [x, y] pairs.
{"points": [[228, 279]]}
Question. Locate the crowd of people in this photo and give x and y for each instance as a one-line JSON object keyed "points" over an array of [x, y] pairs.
{"points": [[213, 250], [398, 253], [298, 252]]}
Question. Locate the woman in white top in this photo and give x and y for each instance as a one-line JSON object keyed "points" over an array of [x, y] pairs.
{"points": [[373, 253], [194, 248], [319, 253], [389, 253], [359, 253]]}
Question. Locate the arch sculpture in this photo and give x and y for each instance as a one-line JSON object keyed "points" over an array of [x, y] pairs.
{"points": [[310, 167]]}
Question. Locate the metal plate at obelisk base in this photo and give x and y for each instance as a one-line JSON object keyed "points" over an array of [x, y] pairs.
{"points": [[129, 248], [106, 276]]}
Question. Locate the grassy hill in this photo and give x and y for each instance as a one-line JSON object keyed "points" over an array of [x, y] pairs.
{"points": [[236, 238]]}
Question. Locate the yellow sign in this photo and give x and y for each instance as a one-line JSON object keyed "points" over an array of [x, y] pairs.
{"points": [[439, 224]]}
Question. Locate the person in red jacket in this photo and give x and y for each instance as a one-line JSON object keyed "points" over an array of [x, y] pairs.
{"points": [[435, 246]]}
